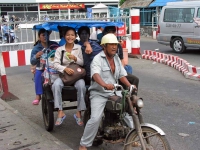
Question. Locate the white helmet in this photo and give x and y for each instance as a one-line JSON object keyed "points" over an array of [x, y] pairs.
{"points": [[109, 38]]}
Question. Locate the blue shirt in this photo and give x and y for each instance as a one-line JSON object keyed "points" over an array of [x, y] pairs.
{"points": [[62, 41], [35, 50], [5, 29], [89, 57]]}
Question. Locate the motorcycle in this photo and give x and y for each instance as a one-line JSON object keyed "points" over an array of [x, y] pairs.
{"points": [[114, 128], [12, 37]]}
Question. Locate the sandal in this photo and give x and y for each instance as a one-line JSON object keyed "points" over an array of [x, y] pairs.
{"points": [[36, 102], [60, 120], [78, 120]]}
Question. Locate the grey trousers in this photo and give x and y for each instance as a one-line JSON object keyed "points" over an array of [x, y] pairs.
{"points": [[97, 108], [57, 93]]}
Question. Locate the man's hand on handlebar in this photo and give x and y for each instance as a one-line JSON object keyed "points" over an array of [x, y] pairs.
{"points": [[109, 86], [132, 88]]}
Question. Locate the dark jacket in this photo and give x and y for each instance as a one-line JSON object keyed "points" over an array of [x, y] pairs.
{"points": [[89, 57]]}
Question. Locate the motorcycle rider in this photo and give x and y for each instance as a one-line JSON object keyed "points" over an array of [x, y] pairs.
{"points": [[6, 31], [106, 69]]}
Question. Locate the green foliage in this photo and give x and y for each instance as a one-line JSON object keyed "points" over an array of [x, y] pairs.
{"points": [[121, 2]]}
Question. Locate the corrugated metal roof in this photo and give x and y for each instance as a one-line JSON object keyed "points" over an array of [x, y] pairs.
{"points": [[136, 3], [162, 2]]}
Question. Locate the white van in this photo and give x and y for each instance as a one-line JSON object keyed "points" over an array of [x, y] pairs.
{"points": [[177, 27]]}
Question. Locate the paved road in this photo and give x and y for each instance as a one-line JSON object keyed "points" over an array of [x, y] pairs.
{"points": [[191, 55], [171, 102]]}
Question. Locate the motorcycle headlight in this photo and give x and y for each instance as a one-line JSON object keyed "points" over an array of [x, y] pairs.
{"points": [[140, 103]]}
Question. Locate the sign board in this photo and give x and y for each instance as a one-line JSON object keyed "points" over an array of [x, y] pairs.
{"points": [[121, 31], [62, 6]]}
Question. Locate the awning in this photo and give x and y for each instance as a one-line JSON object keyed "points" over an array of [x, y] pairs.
{"points": [[157, 3], [136, 3], [53, 25]]}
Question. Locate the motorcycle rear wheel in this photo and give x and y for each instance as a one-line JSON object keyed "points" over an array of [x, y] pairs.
{"points": [[155, 141]]}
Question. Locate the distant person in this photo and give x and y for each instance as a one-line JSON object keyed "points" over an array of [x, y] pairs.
{"points": [[6, 32], [3, 18], [94, 34]]}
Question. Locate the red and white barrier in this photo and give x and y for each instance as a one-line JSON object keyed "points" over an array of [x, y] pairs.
{"points": [[11, 59], [135, 31], [189, 71]]}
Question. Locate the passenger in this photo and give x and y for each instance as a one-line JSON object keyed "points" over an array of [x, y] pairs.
{"points": [[62, 36], [94, 34], [89, 50], [36, 53], [131, 78], [77, 57], [106, 70]]}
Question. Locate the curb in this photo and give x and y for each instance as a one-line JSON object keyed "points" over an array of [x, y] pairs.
{"points": [[37, 128], [188, 70]]}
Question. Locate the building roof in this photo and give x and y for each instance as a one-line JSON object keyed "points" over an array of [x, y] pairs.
{"points": [[162, 2], [136, 3], [100, 5]]}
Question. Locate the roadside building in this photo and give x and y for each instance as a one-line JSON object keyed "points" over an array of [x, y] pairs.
{"points": [[34, 10]]}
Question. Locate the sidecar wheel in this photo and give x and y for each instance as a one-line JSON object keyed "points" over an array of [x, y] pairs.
{"points": [[47, 111]]}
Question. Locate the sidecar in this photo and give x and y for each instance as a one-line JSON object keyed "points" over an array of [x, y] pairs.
{"points": [[69, 93]]}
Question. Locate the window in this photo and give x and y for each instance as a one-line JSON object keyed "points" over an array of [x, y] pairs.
{"points": [[198, 13], [181, 15]]}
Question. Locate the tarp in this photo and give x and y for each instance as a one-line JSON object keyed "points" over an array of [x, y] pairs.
{"points": [[157, 3], [53, 25]]}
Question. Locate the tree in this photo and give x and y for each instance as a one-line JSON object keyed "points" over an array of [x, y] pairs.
{"points": [[121, 2]]}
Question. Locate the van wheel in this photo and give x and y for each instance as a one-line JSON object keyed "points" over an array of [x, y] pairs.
{"points": [[178, 45]]}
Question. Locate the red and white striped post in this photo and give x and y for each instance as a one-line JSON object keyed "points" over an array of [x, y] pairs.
{"points": [[3, 81], [11, 59], [135, 31]]}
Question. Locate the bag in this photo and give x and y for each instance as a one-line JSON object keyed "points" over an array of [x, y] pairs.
{"points": [[49, 72], [79, 73], [115, 104]]}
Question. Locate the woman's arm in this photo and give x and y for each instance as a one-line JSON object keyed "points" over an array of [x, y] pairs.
{"points": [[79, 57], [57, 61], [34, 60]]}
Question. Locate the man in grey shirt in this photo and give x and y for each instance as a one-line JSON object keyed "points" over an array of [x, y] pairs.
{"points": [[106, 69]]}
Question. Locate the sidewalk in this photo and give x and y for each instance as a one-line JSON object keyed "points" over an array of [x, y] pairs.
{"points": [[19, 133]]}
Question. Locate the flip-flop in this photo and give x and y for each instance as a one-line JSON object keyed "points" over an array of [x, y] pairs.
{"points": [[36, 102], [78, 120], [60, 120]]}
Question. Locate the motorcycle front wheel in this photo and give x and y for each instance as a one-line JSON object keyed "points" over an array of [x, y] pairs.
{"points": [[152, 139]]}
